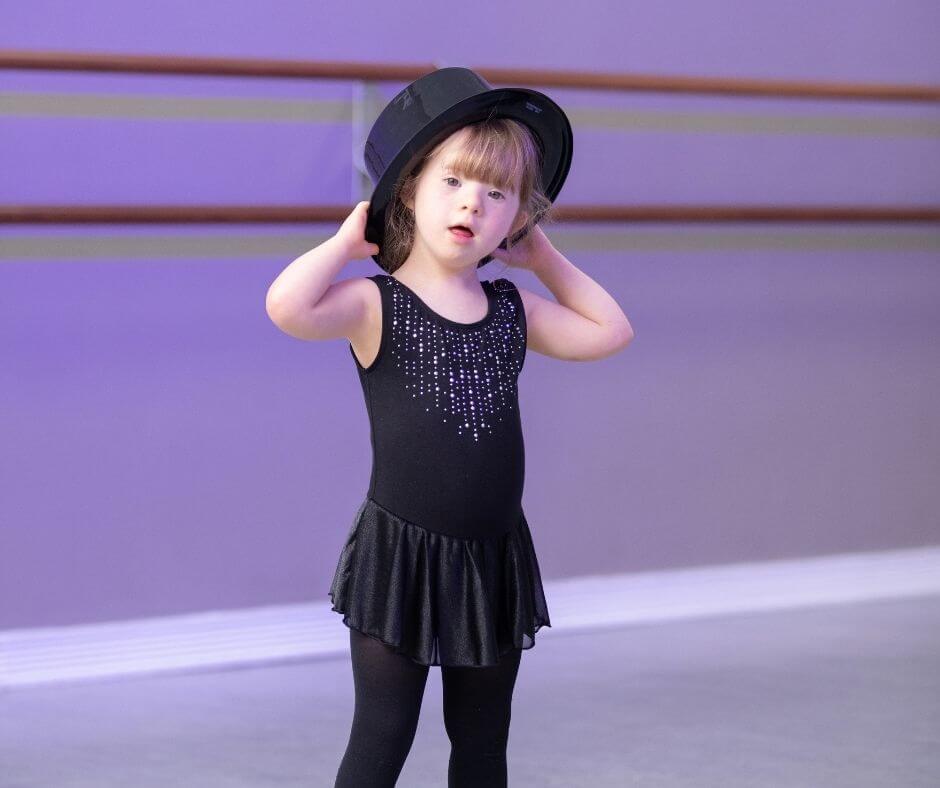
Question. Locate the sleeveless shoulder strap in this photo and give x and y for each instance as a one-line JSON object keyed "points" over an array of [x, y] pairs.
{"points": [[385, 295], [506, 289], [385, 288]]}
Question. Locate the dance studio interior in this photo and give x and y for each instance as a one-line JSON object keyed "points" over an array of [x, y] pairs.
{"points": [[508, 394]]}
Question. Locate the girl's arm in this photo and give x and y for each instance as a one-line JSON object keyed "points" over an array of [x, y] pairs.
{"points": [[586, 323], [302, 301]]}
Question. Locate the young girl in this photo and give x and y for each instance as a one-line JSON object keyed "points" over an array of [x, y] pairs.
{"points": [[439, 567]]}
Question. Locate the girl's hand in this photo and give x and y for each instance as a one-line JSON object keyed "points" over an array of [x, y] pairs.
{"points": [[527, 253], [352, 234]]}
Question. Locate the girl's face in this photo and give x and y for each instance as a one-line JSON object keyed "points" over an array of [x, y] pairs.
{"points": [[443, 199]]}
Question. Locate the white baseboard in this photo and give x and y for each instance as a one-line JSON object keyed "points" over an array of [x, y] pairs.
{"points": [[220, 639]]}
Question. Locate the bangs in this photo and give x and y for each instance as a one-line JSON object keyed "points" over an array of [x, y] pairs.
{"points": [[489, 155]]}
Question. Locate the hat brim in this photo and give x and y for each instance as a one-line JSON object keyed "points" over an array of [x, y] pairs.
{"points": [[537, 111]]}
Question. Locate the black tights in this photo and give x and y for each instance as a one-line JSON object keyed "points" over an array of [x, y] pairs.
{"points": [[389, 688]]}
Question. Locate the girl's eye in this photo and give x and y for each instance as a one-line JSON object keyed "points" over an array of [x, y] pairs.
{"points": [[452, 178]]}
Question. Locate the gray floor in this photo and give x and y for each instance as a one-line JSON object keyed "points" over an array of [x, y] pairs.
{"points": [[845, 695]]}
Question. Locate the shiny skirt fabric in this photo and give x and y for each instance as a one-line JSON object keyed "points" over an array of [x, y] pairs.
{"points": [[439, 599]]}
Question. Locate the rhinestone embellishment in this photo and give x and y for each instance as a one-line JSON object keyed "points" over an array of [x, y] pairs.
{"points": [[469, 375]]}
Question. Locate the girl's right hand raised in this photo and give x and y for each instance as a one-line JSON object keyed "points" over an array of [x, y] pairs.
{"points": [[352, 234]]}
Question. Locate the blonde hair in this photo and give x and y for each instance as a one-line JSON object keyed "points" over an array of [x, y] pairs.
{"points": [[500, 151]]}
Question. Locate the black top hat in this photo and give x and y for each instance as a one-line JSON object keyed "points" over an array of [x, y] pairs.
{"points": [[434, 106]]}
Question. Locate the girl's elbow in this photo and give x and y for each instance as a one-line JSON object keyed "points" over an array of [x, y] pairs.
{"points": [[618, 341], [625, 336]]}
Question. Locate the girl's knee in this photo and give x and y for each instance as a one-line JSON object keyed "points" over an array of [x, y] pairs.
{"points": [[484, 730]]}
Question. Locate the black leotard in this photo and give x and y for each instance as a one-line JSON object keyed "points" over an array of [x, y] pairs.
{"points": [[443, 404]]}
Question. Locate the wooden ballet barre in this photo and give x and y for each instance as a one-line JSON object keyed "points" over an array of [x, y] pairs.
{"points": [[407, 72], [308, 214]]}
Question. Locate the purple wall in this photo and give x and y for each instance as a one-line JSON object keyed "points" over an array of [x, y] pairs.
{"points": [[166, 449]]}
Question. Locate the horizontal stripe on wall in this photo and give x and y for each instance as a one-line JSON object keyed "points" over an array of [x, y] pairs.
{"points": [[90, 246], [150, 107]]}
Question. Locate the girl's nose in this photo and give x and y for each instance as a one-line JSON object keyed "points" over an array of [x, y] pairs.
{"points": [[472, 199]]}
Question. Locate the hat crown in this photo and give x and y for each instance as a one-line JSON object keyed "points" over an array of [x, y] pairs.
{"points": [[414, 109]]}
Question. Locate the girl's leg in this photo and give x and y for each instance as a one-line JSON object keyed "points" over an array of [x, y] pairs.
{"points": [[389, 689], [477, 707]]}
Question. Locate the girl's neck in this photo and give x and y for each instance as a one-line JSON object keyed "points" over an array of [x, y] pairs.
{"points": [[436, 279], [454, 295]]}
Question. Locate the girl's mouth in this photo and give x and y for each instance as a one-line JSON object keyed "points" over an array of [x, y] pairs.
{"points": [[461, 233]]}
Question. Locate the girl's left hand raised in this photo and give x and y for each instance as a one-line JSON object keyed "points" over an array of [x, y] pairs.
{"points": [[528, 252]]}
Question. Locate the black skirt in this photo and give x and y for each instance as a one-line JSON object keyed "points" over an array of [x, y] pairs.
{"points": [[439, 599]]}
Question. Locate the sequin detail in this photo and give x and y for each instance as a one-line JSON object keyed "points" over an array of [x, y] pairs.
{"points": [[469, 375]]}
